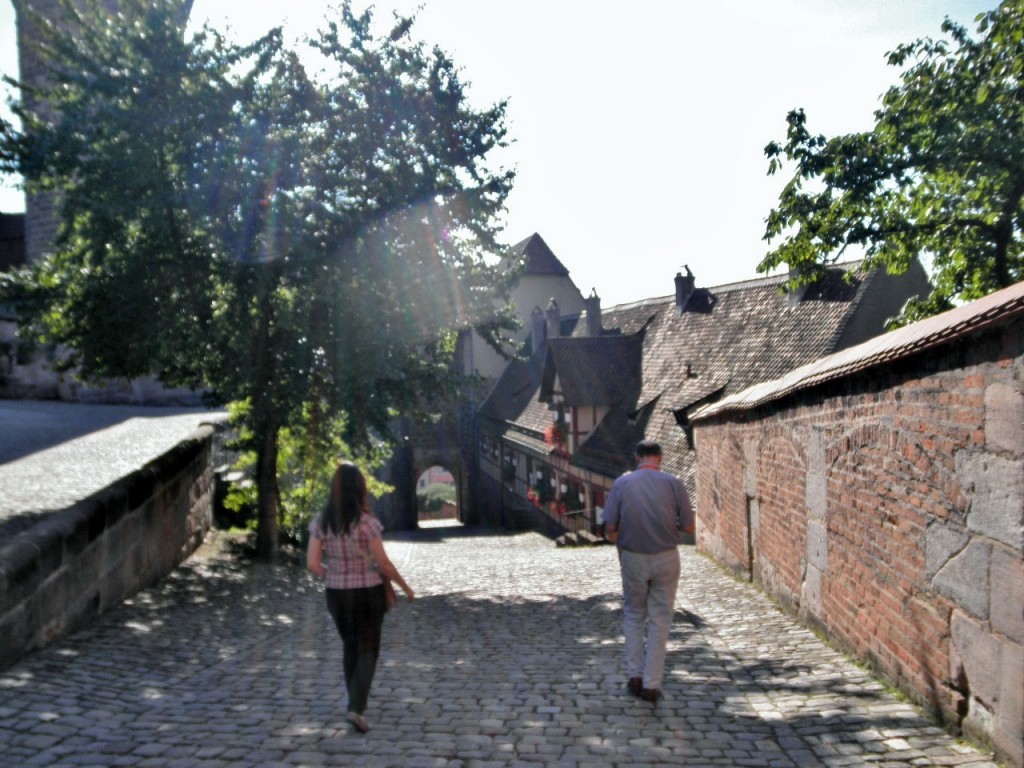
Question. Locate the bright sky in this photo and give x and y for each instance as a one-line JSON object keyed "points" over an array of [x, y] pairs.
{"points": [[639, 133]]}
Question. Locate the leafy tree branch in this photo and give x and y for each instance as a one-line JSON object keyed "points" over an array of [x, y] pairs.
{"points": [[940, 177]]}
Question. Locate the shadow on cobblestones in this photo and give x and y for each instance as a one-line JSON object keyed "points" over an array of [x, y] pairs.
{"points": [[511, 655]]}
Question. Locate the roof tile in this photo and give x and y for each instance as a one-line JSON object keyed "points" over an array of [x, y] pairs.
{"points": [[651, 363]]}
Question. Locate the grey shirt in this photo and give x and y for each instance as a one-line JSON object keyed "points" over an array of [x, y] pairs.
{"points": [[649, 508]]}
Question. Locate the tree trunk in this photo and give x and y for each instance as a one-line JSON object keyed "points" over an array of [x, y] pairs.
{"points": [[267, 544]]}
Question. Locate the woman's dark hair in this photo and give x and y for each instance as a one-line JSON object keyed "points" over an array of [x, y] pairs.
{"points": [[347, 500]]}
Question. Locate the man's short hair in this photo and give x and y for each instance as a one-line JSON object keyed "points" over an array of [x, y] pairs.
{"points": [[648, 448]]}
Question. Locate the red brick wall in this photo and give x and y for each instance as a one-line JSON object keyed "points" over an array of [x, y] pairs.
{"points": [[781, 470], [725, 535], [876, 529], [887, 509]]}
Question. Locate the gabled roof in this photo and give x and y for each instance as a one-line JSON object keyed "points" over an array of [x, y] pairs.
{"points": [[696, 390], [737, 334], [512, 409], [609, 450], [515, 391], [727, 338], [537, 257], [602, 370]]}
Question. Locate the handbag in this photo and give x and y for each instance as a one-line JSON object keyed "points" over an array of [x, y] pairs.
{"points": [[390, 596]]}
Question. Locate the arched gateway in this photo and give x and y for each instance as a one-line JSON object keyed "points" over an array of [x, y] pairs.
{"points": [[419, 447]]}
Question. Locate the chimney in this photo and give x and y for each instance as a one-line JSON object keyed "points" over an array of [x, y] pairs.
{"points": [[593, 305], [538, 330], [684, 289], [554, 320], [794, 297]]}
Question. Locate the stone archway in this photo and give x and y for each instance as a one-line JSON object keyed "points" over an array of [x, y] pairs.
{"points": [[419, 447]]}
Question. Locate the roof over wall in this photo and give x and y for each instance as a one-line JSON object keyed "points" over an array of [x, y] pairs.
{"points": [[992, 310], [652, 364]]}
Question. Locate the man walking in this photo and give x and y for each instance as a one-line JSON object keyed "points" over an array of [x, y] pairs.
{"points": [[645, 512]]}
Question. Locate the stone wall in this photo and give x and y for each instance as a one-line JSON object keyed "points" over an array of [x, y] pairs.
{"points": [[42, 209], [77, 563], [886, 509]]}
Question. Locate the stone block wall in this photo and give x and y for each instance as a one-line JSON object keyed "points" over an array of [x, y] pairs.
{"points": [[886, 509], [29, 372], [79, 562], [24, 374]]}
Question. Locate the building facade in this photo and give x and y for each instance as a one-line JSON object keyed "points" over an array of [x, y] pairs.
{"points": [[561, 424]]}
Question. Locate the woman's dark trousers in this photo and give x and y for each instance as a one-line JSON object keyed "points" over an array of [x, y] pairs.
{"points": [[359, 615]]}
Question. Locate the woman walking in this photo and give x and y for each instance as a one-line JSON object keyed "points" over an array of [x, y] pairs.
{"points": [[355, 573]]}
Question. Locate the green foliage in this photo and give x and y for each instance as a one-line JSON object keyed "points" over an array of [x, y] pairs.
{"points": [[310, 453], [119, 133], [435, 495], [307, 457], [241, 497], [301, 245], [941, 175]]}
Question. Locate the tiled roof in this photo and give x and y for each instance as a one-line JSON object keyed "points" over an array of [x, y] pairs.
{"points": [[957, 323], [513, 407], [609, 450], [739, 334], [538, 257], [693, 391], [727, 338], [577, 360]]}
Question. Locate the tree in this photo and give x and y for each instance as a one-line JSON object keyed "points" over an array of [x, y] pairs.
{"points": [[305, 247], [941, 175]]}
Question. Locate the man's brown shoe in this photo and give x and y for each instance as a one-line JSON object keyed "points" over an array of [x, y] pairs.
{"points": [[652, 695]]}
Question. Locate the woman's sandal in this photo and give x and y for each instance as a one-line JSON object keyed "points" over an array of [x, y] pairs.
{"points": [[358, 722]]}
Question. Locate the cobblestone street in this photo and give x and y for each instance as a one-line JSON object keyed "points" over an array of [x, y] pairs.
{"points": [[510, 656]]}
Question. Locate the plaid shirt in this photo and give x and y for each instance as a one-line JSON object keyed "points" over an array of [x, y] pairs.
{"points": [[349, 561]]}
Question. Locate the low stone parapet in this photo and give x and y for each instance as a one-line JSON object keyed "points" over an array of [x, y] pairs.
{"points": [[77, 563]]}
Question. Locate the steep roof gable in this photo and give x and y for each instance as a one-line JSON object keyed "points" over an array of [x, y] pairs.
{"points": [[603, 370], [609, 450], [538, 257], [513, 400]]}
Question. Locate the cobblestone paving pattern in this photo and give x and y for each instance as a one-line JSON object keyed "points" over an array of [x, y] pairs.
{"points": [[510, 656]]}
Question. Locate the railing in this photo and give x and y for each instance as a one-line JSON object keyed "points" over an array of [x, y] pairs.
{"points": [[575, 521]]}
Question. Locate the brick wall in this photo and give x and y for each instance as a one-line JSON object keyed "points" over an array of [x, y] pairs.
{"points": [[887, 510], [77, 563]]}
